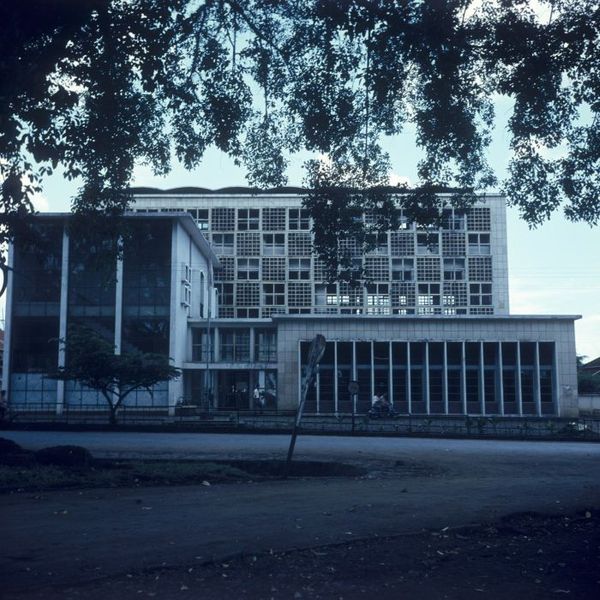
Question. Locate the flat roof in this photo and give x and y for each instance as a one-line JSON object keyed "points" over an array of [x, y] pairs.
{"points": [[397, 318], [185, 219]]}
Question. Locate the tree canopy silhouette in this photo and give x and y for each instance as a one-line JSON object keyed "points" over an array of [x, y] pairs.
{"points": [[97, 86]]}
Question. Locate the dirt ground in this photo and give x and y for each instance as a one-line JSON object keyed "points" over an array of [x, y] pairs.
{"points": [[524, 555]]}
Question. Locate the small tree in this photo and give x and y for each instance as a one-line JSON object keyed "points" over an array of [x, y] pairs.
{"points": [[92, 361]]}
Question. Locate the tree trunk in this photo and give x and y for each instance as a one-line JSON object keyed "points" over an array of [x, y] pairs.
{"points": [[112, 417]]}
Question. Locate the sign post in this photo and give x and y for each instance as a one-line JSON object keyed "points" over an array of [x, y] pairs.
{"points": [[353, 391], [315, 353]]}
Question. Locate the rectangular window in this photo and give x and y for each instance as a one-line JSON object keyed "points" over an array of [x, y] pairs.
{"points": [[234, 345], [248, 268], [378, 299], [222, 243], [379, 244], [273, 244], [479, 243], [248, 219], [225, 294], [200, 216], [428, 294], [453, 220], [265, 345], [428, 243], [480, 294], [299, 218], [299, 268], [274, 294], [454, 269], [403, 269]]}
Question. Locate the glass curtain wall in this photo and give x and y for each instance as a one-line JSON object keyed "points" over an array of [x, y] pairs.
{"points": [[36, 314], [147, 298], [437, 378]]}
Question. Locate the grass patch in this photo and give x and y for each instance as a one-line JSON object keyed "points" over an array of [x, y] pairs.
{"points": [[116, 474], [137, 473]]}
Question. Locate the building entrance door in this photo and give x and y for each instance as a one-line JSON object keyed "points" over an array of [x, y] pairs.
{"points": [[234, 390]]}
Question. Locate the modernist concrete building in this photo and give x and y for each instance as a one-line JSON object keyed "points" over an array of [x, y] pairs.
{"points": [[431, 327], [145, 301]]}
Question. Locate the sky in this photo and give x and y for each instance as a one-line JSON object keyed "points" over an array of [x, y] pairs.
{"points": [[554, 269]]}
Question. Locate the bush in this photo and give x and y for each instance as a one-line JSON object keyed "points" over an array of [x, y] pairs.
{"points": [[9, 447], [65, 456]]}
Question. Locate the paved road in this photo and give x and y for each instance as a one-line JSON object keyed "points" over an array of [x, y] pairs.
{"points": [[70, 537]]}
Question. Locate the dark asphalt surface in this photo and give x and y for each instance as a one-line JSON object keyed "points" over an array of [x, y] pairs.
{"points": [[72, 537]]}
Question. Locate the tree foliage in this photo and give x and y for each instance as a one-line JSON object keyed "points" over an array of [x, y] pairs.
{"points": [[91, 360], [96, 86]]}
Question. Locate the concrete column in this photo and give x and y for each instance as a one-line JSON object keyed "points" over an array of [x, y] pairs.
{"points": [[354, 374], [408, 379], [426, 386], [500, 367], [62, 324], [252, 340], [445, 379], [335, 379], [555, 382], [537, 392], [391, 374], [216, 344], [372, 370], [481, 374], [6, 362], [463, 378], [119, 307], [318, 390], [519, 391]]}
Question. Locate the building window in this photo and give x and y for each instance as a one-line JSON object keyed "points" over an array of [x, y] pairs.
{"points": [[200, 216], [457, 292], [454, 269], [225, 294], [248, 219], [222, 243], [274, 294], [299, 268], [479, 243], [380, 244], [480, 294], [299, 218], [273, 244], [403, 269], [428, 243], [453, 220], [428, 294], [351, 295], [202, 346], [378, 299], [403, 294], [246, 313], [234, 345], [326, 295], [248, 268], [265, 345]]}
